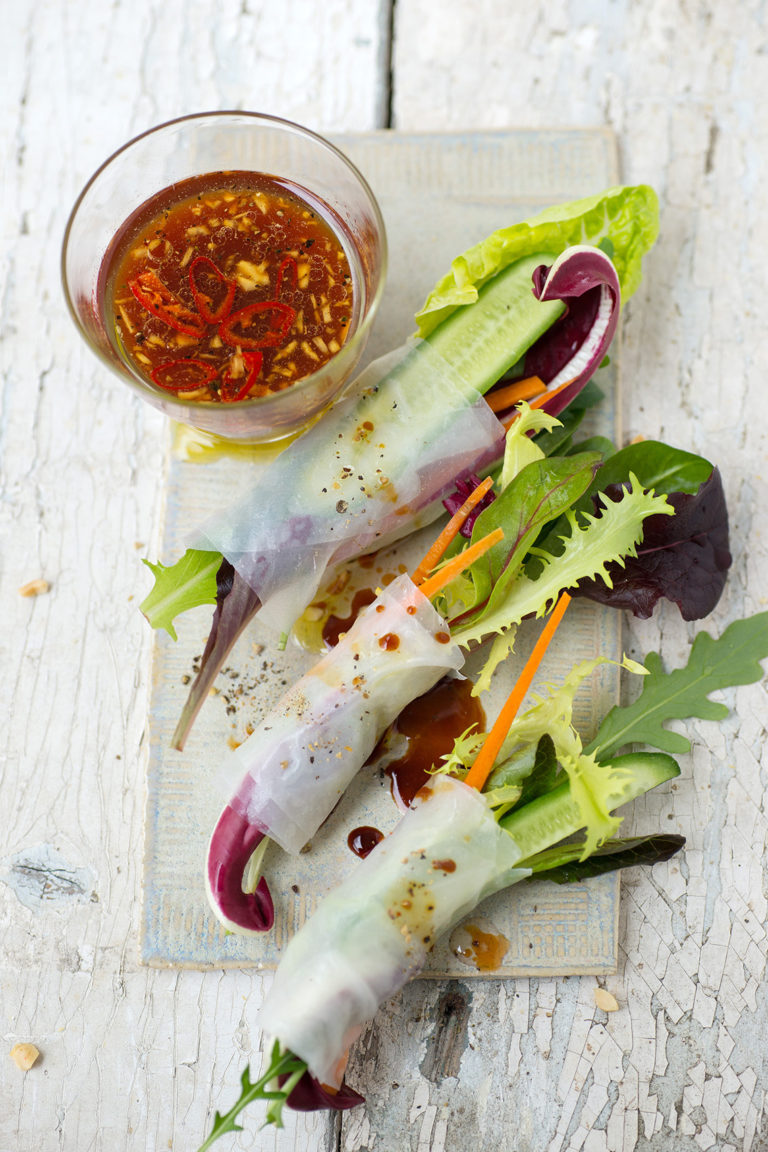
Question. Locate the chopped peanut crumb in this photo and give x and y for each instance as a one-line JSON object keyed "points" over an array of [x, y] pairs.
{"points": [[24, 1055], [605, 1000], [35, 588]]}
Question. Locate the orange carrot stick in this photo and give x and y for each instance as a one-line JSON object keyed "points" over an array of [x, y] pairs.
{"points": [[484, 761], [450, 531], [459, 562], [539, 402], [501, 398]]}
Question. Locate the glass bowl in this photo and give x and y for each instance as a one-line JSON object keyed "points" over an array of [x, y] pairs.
{"points": [[227, 142]]}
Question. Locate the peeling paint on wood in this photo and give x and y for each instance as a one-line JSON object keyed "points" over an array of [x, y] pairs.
{"points": [[41, 876]]}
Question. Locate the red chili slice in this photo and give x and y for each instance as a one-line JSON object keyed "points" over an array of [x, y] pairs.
{"points": [[208, 285], [182, 375], [269, 322], [234, 389], [158, 300], [287, 276]]}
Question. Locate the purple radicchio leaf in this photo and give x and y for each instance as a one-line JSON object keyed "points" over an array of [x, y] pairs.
{"points": [[236, 605], [574, 347], [232, 844], [454, 500], [683, 558], [310, 1095]]}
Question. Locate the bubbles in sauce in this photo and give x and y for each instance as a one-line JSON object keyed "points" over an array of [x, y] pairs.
{"points": [[478, 944], [428, 728], [363, 840]]}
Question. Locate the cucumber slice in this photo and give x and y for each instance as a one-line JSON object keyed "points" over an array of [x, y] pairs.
{"points": [[484, 341], [554, 816]]}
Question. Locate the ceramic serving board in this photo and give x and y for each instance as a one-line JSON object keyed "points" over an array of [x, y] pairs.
{"points": [[438, 194]]}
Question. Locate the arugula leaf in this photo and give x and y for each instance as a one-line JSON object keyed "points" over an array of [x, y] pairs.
{"points": [[281, 1063], [563, 863], [188, 583], [712, 664]]}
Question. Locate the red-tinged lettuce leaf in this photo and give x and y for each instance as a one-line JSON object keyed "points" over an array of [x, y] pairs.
{"points": [[683, 558], [576, 344], [658, 467], [236, 605], [309, 1095], [464, 489], [233, 842]]}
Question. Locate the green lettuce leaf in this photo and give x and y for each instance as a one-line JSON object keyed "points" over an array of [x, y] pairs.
{"points": [[188, 583], [558, 441], [625, 217], [538, 494], [593, 543], [592, 784], [656, 465], [712, 664], [519, 448]]}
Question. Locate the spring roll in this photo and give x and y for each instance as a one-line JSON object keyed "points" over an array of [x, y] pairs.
{"points": [[374, 931]]}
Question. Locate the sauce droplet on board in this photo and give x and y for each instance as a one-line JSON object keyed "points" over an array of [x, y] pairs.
{"points": [[479, 944], [429, 727], [363, 840]]}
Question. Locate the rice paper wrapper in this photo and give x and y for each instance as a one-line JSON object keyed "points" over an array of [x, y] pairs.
{"points": [[374, 931], [298, 763], [358, 479]]}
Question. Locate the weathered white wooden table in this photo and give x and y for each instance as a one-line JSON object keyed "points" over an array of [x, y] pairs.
{"points": [[136, 1058]]}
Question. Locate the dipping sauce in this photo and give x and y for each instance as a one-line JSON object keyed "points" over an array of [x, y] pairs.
{"points": [[227, 287], [430, 726], [479, 944], [362, 841], [335, 626]]}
